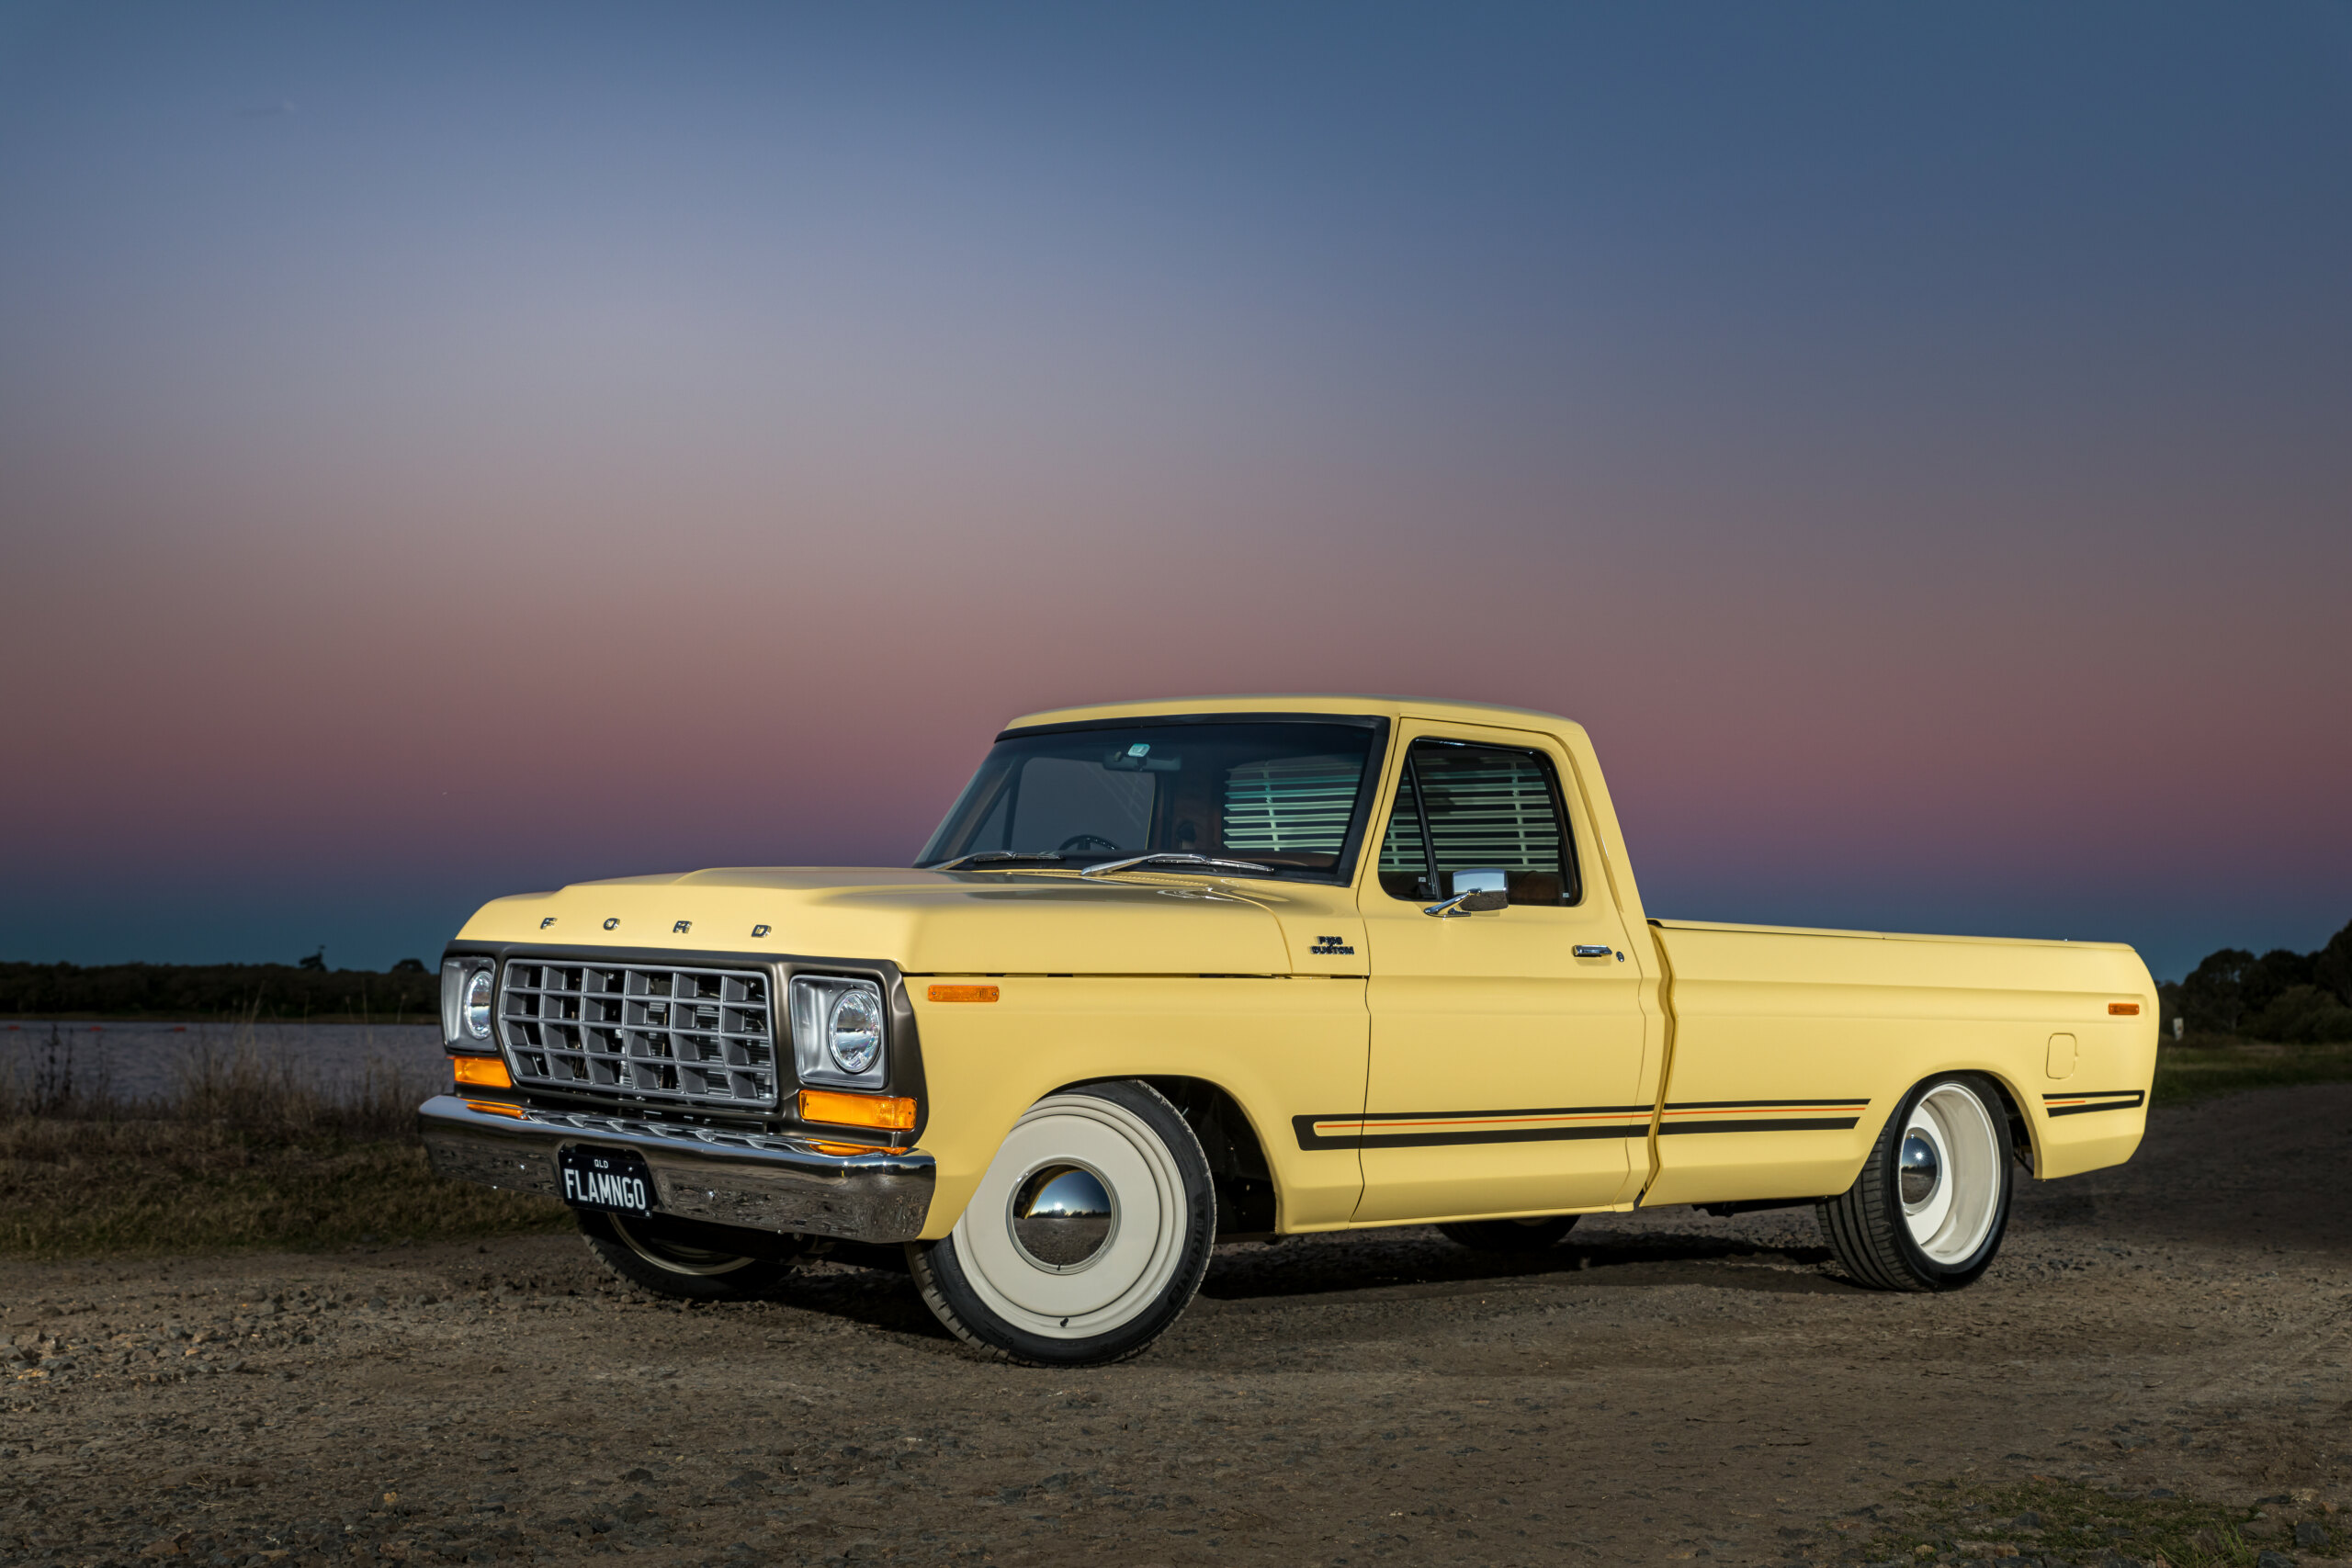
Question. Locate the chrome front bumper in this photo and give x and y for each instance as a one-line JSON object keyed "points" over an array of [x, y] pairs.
{"points": [[699, 1173]]}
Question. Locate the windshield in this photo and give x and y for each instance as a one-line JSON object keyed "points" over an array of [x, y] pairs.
{"points": [[1289, 795]]}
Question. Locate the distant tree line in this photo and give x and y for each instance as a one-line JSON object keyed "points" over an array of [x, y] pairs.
{"points": [[275, 992], [2298, 999]]}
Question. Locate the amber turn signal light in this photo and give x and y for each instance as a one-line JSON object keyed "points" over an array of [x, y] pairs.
{"points": [[962, 993], [893, 1113], [2124, 1010], [496, 1108], [483, 1072]]}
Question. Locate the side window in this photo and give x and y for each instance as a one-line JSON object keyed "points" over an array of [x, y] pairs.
{"points": [[1460, 807]]}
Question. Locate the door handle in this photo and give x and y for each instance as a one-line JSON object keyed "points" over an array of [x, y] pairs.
{"points": [[1587, 950]]}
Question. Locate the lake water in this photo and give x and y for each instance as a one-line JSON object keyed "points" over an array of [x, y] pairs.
{"points": [[140, 1061]]}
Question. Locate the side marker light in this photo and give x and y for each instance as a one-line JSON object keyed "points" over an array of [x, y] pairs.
{"points": [[2124, 1010], [962, 993]]}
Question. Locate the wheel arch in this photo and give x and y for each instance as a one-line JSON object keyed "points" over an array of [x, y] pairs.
{"points": [[2023, 1134], [1249, 1198], [2021, 1128]]}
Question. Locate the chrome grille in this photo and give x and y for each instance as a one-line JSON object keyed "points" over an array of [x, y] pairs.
{"points": [[701, 1037]]}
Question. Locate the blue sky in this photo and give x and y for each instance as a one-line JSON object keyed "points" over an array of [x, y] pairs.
{"points": [[1912, 440]]}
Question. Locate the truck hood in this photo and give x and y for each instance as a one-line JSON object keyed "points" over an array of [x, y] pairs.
{"points": [[951, 923]]}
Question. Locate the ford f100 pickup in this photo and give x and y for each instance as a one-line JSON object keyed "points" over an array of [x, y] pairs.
{"points": [[1176, 973]]}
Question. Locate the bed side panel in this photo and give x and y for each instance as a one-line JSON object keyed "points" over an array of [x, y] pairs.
{"points": [[1792, 1048]]}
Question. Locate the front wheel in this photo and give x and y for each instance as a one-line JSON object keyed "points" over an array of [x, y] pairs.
{"points": [[683, 1260], [1088, 1235], [1932, 1202]]}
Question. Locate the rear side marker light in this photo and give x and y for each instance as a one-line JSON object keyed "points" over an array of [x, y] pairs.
{"points": [[962, 993], [890, 1113], [2124, 1010], [483, 1072]]}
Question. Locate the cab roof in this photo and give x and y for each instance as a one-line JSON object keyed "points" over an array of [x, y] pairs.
{"points": [[1442, 710]]}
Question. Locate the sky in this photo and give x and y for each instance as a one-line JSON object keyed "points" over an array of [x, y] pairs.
{"points": [[450, 450]]}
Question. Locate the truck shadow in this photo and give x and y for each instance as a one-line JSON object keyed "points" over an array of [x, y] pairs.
{"points": [[1420, 1264], [871, 1287], [867, 1289]]}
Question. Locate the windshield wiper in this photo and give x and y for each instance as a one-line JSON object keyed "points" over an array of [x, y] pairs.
{"points": [[1183, 861], [993, 855]]}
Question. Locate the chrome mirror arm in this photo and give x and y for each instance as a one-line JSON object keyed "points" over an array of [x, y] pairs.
{"points": [[1477, 901]]}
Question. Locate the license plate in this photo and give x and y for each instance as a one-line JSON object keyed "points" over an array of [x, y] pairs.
{"points": [[616, 1180]]}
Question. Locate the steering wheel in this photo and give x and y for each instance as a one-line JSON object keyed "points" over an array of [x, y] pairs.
{"points": [[1083, 842]]}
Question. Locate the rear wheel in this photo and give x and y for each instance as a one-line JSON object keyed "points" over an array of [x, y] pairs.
{"points": [[1511, 1236], [1087, 1236], [1932, 1202], [683, 1260]]}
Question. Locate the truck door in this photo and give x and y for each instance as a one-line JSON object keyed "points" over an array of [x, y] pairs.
{"points": [[1507, 1045]]}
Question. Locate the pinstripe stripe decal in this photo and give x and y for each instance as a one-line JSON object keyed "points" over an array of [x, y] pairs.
{"points": [[1431, 1129], [1760, 1115], [2088, 1099]]}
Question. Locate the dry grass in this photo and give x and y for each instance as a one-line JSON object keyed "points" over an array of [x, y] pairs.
{"points": [[2086, 1524], [71, 1188], [247, 1148], [2204, 1067]]}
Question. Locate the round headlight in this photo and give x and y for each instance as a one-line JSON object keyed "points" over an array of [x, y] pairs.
{"points": [[854, 1029], [478, 991]]}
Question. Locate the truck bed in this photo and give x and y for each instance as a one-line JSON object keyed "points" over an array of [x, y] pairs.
{"points": [[1807, 1039]]}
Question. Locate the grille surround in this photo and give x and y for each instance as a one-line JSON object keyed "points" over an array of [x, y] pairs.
{"points": [[682, 1034]]}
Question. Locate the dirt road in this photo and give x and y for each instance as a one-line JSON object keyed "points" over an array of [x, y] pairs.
{"points": [[1665, 1386]]}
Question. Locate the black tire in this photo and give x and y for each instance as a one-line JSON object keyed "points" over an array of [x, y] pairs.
{"points": [[686, 1260], [1147, 1222], [1891, 1245], [1511, 1236]]}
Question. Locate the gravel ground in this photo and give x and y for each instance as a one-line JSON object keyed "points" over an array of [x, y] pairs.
{"points": [[1664, 1386]]}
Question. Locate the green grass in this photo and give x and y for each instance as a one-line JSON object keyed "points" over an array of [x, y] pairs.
{"points": [[81, 1189], [2207, 1069], [2065, 1519]]}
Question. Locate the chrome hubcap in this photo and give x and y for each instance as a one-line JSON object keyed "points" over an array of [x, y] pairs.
{"points": [[1921, 1171], [1062, 1217]]}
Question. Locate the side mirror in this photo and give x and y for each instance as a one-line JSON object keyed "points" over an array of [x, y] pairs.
{"points": [[1477, 890]]}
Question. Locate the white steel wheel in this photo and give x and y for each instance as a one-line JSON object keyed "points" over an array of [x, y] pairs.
{"points": [[685, 1261], [1948, 1173], [671, 1258], [1932, 1201], [1086, 1237]]}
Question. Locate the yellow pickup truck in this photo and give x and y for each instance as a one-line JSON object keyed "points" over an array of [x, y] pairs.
{"points": [[1176, 973]]}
